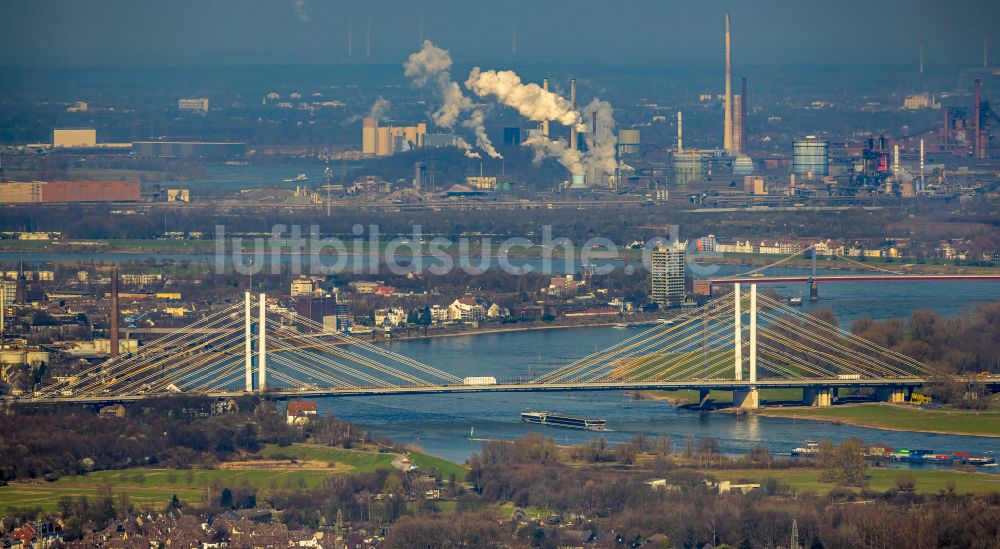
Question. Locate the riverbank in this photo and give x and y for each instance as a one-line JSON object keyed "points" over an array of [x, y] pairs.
{"points": [[926, 481], [416, 335], [195, 248], [890, 417]]}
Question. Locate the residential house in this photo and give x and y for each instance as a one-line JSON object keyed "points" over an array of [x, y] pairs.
{"points": [[115, 410], [466, 309], [393, 316], [440, 314], [300, 412], [496, 311]]}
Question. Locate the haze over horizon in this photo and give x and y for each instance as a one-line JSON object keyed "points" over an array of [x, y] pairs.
{"points": [[192, 33]]}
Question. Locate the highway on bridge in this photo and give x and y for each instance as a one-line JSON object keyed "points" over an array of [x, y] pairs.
{"points": [[991, 382]]}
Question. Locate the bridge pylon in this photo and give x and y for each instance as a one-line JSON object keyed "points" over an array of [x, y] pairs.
{"points": [[262, 341], [248, 343]]}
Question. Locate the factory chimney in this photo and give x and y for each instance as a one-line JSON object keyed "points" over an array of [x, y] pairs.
{"points": [[350, 38], [545, 123], [976, 114], [986, 53], [727, 139], [737, 125], [947, 129], [895, 161], [572, 100], [680, 132], [114, 312], [368, 39], [921, 164], [744, 105]]}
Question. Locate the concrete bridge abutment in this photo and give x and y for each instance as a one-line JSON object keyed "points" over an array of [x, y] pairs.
{"points": [[894, 395], [746, 399], [821, 397]]}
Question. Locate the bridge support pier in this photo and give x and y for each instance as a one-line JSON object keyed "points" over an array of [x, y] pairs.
{"points": [[262, 346], [821, 397], [247, 345], [704, 395], [813, 291], [746, 399], [894, 395]]}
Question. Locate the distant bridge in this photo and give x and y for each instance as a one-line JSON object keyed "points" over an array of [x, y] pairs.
{"points": [[742, 343], [855, 278]]}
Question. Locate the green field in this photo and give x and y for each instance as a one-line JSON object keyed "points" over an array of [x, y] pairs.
{"points": [[878, 479], [356, 460], [884, 416], [153, 487], [438, 467]]}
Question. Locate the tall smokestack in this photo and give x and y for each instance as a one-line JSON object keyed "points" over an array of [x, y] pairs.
{"points": [[350, 38], [727, 139], [572, 101], [680, 132], [921, 58], [947, 129], [737, 125], [976, 114], [368, 39], [895, 161], [545, 123], [744, 106], [986, 53], [921, 164], [114, 312]]}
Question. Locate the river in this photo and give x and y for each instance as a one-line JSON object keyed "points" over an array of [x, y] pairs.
{"points": [[441, 424]]}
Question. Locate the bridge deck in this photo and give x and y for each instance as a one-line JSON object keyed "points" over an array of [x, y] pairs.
{"points": [[712, 384]]}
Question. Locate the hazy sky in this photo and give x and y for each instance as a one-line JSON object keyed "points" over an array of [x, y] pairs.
{"points": [[209, 32]]}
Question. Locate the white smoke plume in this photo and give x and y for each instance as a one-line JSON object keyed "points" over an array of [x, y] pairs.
{"points": [[430, 67], [453, 104], [545, 148], [530, 100], [602, 143], [380, 108], [465, 146], [427, 64], [302, 10], [476, 124]]}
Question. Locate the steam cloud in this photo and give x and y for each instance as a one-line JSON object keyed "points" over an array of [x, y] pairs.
{"points": [[602, 143], [430, 67], [380, 108], [475, 122], [600, 160], [530, 100], [546, 148], [465, 146]]}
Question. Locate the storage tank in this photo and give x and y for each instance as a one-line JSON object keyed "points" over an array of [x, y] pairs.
{"points": [[811, 156]]}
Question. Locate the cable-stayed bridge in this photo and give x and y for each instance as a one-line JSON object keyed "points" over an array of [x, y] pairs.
{"points": [[741, 342]]}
